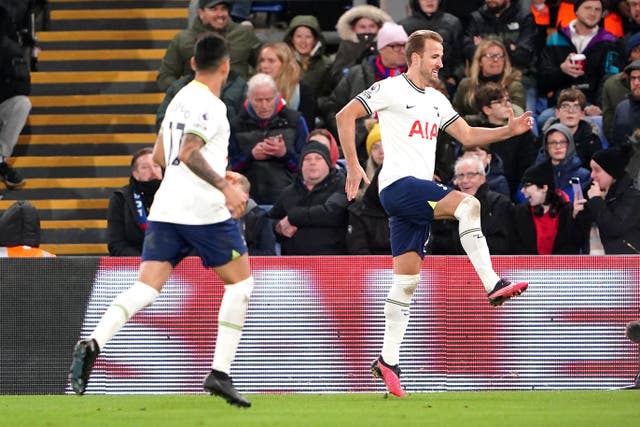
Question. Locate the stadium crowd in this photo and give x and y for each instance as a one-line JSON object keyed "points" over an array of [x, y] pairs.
{"points": [[574, 64]]}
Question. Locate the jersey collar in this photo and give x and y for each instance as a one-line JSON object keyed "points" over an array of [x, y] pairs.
{"points": [[411, 83]]}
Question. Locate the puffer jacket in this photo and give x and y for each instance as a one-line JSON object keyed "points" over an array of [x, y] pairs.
{"points": [[243, 49]]}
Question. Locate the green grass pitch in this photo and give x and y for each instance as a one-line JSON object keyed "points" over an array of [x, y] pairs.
{"points": [[468, 409]]}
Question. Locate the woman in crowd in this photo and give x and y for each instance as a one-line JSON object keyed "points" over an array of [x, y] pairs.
{"points": [[490, 64], [278, 61]]}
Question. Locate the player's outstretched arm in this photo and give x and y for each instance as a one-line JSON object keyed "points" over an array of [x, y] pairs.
{"points": [[346, 121], [472, 136]]}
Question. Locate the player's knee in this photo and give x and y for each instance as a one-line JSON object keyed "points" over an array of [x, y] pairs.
{"points": [[138, 296], [243, 288], [408, 283], [469, 209]]}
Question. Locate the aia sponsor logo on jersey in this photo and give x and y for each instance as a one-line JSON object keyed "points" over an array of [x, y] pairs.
{"points": [[424, 131]]}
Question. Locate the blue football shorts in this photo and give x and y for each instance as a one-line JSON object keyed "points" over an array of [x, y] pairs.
{"points": [[215, 244], [409, 202]]}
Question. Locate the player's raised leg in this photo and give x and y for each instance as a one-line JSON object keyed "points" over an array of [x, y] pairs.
{"points": [[145, 290], [466, 209], [231, 317]]}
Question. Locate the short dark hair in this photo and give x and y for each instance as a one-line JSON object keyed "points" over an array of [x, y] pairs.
{"points": [[415, 43], [141, 152], [572, 94], [210, 51], [487, 93]]}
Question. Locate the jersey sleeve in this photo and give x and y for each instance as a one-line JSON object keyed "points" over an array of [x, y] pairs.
{"points": [[203, 121], [447, 114], [377, 97]]}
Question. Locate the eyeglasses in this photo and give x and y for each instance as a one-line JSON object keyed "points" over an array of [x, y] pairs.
{"points": [[634, 3], [494, 56], [634, 78], [572, 108], [396, 47], [504, 101], [558, 143], [468, 175]]}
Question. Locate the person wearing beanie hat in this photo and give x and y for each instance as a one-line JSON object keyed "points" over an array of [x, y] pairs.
{"points": [[607, 221], [543, 224], [310, 215], [578, 3], [411, 114], [323, 136], [391, 34], [375, 154]]}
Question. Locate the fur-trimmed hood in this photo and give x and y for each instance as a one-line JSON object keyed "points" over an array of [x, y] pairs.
{"points": [[345, 32]]}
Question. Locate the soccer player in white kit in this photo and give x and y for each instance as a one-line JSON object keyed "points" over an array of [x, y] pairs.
{"points": [[411, 113], [192, 210]]}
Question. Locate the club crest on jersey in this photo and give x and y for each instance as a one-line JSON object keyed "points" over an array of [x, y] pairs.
{"points": [[426, 131]]}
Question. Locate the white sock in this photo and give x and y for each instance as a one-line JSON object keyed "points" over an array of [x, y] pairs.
{"points": [[231, 315], [125, 305], [473, 241], [396, 315]]}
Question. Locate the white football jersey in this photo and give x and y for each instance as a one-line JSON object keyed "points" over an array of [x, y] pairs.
{"points": [[410, 119], [183, 197]]}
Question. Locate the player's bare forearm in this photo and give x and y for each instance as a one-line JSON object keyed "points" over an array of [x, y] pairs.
{"points": [[191, 156], [346, 122]]}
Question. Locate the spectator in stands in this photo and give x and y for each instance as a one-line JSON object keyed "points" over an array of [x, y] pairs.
{"points": [[559, 148], [490, 64], [496, 212], [129, 205], [279, 61], [213, 15], [461, 9], [324, 137], [391, 61], [20, 232], [518, 152], [616, 87], [304, 36], [543, 225], [504, 20], [375, 154], [233, 94], [607, 222], [357, 29], [266, 140], [427, 15], [368, 230], [254, 224], [493, 168], [582, 36], [633, 167], [311, 214], [627, 115], [631, 20], [15, 86], [570, 112]]}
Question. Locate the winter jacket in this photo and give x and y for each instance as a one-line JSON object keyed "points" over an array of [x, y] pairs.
{"points": [[616, 217], [368, 231], [353, 48], [320, 215], [615, 90], [586, 140], [512, 26], [257, 230], [525, 237], [317, 72], [604, 53], [15, 76], [496, 213], [449, 27], [125, 234], [243, 47], [625, 120], [267, 177], [359, 78]]}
